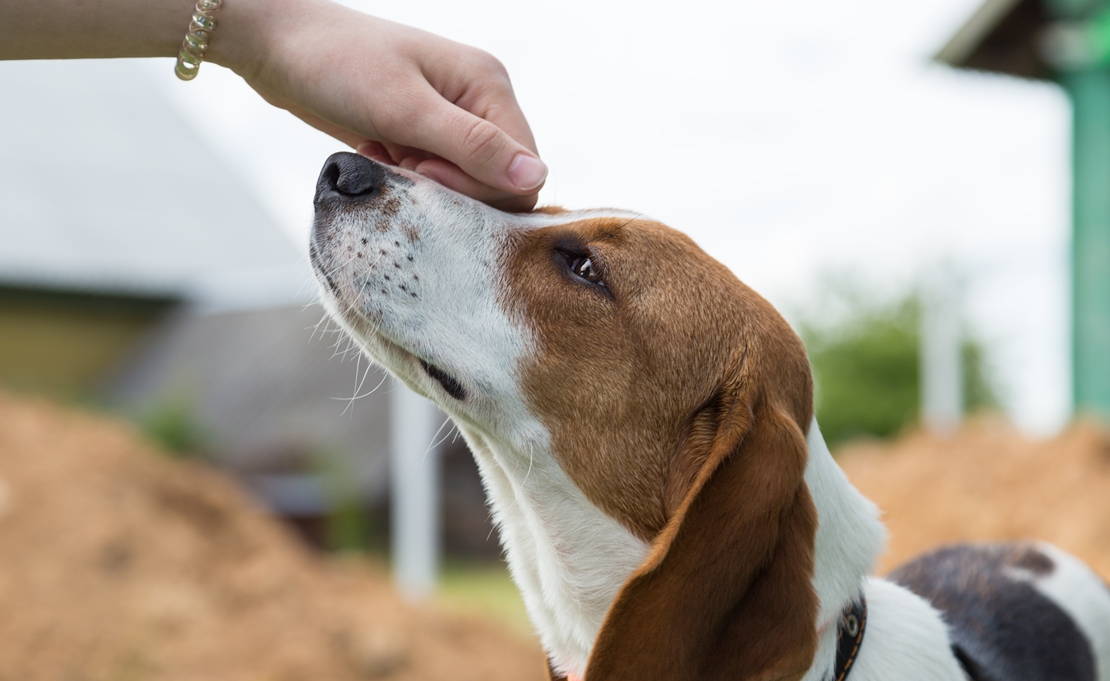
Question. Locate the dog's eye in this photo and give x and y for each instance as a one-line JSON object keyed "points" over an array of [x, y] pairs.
{"points": [[581, 263], [583, 266]]}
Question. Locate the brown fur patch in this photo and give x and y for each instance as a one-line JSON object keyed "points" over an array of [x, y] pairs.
{"points": [[549, 210], [678, 400]]}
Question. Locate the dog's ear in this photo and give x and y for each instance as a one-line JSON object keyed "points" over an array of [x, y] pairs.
{"points": [[726, 592], [553, 675]]}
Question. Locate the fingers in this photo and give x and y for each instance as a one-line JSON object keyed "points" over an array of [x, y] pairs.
{"points": [[446, 173], [491, 97], [451, 176], [376, 151], [430, 105], [477, 146]]}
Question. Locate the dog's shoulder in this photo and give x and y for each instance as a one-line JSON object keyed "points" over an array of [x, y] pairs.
{"points": [[1007, 616]]}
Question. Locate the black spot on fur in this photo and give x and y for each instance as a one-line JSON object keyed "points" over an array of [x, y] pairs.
{"points": [[448, 382], [1001, 627]]}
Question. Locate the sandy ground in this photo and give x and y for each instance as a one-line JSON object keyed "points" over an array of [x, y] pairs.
{"points": [[987, 482], [119, 564]]}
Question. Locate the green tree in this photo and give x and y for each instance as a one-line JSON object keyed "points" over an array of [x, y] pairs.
{"points": [[866, 368]]}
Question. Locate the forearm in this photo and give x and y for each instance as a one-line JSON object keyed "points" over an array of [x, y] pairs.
{"points": [[90, 29], [74, 29]]}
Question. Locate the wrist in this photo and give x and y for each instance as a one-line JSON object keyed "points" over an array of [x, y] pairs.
{"points": [[247, 29]]}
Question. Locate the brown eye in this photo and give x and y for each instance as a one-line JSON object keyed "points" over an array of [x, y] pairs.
{"points": [[583, 266]]}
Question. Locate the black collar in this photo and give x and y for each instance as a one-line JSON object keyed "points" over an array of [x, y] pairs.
{"points": [[849, 637]]}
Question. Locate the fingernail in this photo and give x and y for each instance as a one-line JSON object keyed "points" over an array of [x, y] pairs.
{"points": [[527, 172]]}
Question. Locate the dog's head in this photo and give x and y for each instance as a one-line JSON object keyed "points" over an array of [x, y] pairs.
{"points": [[672, 395]]}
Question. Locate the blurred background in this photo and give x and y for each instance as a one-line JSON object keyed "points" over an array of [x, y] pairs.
{"points": [[897, 178]]}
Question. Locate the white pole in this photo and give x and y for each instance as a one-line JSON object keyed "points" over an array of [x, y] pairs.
{"points": [[414, 506], [941, 358]]}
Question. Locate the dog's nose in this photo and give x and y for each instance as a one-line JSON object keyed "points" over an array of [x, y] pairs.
{"points": [[349, 176]]}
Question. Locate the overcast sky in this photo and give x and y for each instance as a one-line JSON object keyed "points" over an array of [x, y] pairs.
{"points": [[791, 140]]}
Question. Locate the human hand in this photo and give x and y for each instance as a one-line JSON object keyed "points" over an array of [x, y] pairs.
{"points": [[396, 94]]}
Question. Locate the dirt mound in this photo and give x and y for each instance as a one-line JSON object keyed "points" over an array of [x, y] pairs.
{"points": [[119, 564], [987, 482]]}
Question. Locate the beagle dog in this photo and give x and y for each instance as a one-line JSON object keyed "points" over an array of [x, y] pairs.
{"points": [[643, 424]]}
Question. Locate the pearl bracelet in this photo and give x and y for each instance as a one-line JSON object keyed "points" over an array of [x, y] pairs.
{"points": [[196, 39]]}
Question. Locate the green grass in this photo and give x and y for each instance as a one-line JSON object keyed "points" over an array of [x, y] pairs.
{"points": [[486, 590]]}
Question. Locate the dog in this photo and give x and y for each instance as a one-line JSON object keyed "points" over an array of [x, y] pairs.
{"points": [[643, 424]]}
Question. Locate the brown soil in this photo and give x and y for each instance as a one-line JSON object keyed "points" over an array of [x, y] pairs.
{"points": [[989, 483], [118, 564]]}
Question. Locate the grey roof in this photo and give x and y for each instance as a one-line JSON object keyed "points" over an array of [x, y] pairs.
{"points": [[104, 187], [1002, 36]]}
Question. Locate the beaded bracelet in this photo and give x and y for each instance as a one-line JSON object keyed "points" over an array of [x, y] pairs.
{"points": [[196, 39]]}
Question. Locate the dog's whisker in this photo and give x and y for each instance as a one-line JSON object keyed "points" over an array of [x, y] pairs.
{"points": [[358, 385], [366, 373], [437, 443], [324, 321]]}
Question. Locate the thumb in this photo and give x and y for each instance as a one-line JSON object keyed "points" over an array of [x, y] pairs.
{"points": [[480, 148]]}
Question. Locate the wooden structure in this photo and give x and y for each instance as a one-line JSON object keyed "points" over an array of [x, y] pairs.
{"points": [[1068, 42]]}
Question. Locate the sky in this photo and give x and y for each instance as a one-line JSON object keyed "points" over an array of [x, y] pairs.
{"points": [[795, 141]]}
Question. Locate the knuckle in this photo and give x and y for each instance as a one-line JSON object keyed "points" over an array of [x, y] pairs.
{"points": [[494, 65], [491, 68], [482, 141], [484, 60]]}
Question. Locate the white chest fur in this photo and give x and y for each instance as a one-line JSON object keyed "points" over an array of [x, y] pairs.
{"points": [[567, 557]]}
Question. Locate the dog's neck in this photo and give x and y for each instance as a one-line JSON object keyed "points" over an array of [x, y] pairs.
{"points": [[849, 533], [569, 559], [849, 539]]}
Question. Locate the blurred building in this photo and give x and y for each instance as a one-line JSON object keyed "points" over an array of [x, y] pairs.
{"points": [[138, 271], [1067, 42], [294, 412], [113, 214]]}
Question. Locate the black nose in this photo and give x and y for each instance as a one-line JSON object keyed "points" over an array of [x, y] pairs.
{"points": [[349, 176]]}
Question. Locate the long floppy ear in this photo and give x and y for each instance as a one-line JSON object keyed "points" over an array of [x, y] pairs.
{"points": [[726, 592]]}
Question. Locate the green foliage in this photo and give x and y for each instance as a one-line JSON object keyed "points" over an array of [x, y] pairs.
{"points": [[866, 368], [348, 527], [485, 589], [173, 425], [979, 390]]}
